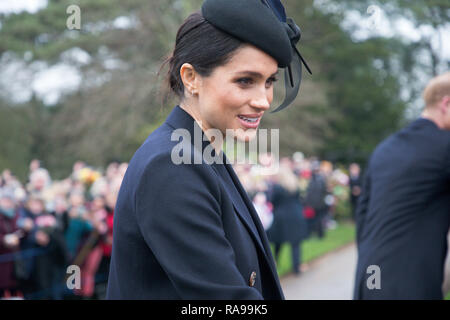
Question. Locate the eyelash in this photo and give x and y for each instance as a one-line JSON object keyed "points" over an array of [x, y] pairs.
{"points": [[244, 81]]}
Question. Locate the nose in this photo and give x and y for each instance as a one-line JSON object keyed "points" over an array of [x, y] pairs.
{"points": [[261, 100]]}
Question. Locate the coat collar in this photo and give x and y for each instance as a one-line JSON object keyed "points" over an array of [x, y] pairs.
{"points": [[420, 122], [180, 119]]}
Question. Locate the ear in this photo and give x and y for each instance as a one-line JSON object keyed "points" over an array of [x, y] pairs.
{"points": [[444, 104], [189, 77], [446, 101]]}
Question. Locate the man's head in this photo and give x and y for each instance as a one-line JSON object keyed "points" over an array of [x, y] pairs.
{"points": [[437, 100]]}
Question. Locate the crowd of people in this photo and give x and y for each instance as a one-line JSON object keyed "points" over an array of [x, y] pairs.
{"points": [[304, 198], [46, 225]]}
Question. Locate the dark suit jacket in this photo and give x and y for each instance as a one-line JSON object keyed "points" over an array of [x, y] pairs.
{"points": [[187, 231], [403, 214]]}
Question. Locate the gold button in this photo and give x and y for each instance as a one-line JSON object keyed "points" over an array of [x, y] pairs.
{"points": [[252, 279]]}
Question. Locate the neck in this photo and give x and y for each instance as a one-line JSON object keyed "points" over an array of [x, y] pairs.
{"points": [[433, 116], [202, 124]]}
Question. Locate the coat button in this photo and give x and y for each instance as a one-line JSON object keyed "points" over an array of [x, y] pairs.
{"points": [[252, 279]]}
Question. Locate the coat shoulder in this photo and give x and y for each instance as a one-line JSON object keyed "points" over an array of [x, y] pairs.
{"points": [[154, 161]]}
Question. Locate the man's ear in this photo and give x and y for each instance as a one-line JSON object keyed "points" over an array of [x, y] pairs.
{"points": [[444, 105], [447, 101]]}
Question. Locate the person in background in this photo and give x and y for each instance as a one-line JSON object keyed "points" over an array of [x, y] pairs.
{"points": [[34, 165], [403, 215], [315, 199], [91, 252], [355, 186], [79, 225], [264, 209], [9, 243], [61, 214], [50, 263], [288, 224], [103, 269]]}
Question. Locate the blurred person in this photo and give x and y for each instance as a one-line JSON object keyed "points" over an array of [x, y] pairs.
{"points": [[100, 187], [9, 244], [79, 225], [91, 251], [49, 264], [315, 199], [10, 183], [403, 213], [77, 187], [286, 162], [77, 168], [60, 212], [111, 171], [326, 168], [25, 258], [34, 165], [39, 180], [289, 225], [6, 176], [264, 209], [190, 231], [103, 269], [122, 169], [355, 186]]}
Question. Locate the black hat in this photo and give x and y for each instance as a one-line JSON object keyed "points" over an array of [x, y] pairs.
{"points": [[264, 24]]}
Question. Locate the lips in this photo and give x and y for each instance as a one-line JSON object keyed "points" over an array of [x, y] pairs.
{"points": [[250, 120]]}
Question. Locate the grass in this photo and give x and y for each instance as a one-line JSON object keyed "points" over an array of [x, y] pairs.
{"points": [[447, 297], [314, 247]]}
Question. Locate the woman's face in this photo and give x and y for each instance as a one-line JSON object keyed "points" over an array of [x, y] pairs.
{"points": [[236, 95]]}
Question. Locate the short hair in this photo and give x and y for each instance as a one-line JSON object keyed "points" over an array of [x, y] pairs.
{"points": [[436, 89]]}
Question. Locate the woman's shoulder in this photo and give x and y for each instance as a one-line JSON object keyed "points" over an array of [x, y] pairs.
{"points": [[159, 155]]}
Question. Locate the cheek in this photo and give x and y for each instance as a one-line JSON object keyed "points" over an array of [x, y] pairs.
{"points": [[222, 104], [270, 95], [229, 97]]}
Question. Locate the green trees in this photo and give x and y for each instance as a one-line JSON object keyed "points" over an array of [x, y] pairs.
{"points": [[344, 109]]}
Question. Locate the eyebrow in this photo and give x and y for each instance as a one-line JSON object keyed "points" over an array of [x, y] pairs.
{"points": [[255, 74]]}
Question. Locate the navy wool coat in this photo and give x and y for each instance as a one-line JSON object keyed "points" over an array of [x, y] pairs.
{"points": [[403, 215], [187, 231]]}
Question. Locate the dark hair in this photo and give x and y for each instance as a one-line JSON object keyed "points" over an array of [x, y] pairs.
{"points": [[203, 46]]}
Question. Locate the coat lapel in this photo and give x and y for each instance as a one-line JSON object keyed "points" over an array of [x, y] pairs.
{"points": [[179, 118], [238, 203], [246, 211]]}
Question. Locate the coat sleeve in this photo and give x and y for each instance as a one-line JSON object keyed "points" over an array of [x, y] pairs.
{"points": [[179, 214], [447, 163], [363, 203]]}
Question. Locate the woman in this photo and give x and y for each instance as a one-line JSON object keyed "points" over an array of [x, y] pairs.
{"points": [[9, 244], [186, 230], [288, 224]]}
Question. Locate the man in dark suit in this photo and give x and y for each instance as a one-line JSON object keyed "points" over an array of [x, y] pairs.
{"points": [[403, 215]]}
